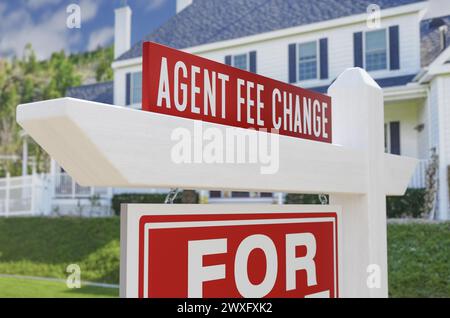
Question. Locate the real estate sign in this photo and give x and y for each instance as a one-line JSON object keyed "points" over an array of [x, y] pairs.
{"points": [[245, 250], [230, 251]]}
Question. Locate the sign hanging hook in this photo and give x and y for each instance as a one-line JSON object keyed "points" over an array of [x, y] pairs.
{"points": [[171, 196], [323, 199]]}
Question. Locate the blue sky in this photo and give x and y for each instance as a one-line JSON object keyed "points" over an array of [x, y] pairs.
{"points": [[43, 24]]}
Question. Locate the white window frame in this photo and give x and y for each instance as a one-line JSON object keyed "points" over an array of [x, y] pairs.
{"points": [[132, 104], [387, 137], [247, 60], [388, 55], [317, 62]]}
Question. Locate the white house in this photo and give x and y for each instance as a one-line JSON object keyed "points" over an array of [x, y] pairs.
{"points": [[308, 43]]}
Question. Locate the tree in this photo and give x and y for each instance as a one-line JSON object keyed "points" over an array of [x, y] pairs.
{"points": [[27, 80], [104, 71]]}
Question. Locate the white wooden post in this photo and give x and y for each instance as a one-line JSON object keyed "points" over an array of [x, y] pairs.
{"points": [[358, 118], [279, 198], [33, 192], [7, 193], [25, 155], [73, 187]]}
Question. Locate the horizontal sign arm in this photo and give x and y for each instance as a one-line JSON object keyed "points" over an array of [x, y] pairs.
{"points": [[105, 145]]}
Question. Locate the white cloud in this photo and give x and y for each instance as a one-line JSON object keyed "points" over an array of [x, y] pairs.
{"points": [[151, 5], [37, 4], [89, 9], [100, 37], [47, 34], [2, 8]]}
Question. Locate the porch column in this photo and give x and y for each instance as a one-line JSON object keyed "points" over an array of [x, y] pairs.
{"points": [[24, 154]]}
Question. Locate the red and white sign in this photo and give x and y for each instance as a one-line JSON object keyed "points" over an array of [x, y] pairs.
{"points": [[232, 251], [185, 85]]}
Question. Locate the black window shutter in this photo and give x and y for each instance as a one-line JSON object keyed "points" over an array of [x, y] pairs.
{"points": [[228, 60], [394, 129], [358, 49], [323, 58], [292, 63], [394, 47], [128, 89], [252, 65]]}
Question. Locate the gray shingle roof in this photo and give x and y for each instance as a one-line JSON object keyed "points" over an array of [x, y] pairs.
{"points": [[100, 92], [383, 82], [207, 21], [430, 38]]}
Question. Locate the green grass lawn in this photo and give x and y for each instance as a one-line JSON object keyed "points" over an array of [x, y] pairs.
{"points": [[30, 288], [418, 256], [419, 260]]}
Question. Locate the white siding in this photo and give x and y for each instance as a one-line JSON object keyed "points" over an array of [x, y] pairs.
{"points": [[120, 83], [407, 114], [444, 100], [272, 55], [423, 145]]}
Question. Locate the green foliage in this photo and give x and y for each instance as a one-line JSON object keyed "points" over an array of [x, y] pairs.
{"points": [[104, 71], [24, 80], [118, 199], [296, 198], [11, 287], [418, 259], [418, 254], [409, 205]]}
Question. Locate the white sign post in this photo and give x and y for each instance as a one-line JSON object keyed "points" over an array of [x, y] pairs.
{"points": [[358, 118], [104, 145]]}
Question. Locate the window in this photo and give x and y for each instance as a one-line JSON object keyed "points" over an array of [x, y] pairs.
{"points": [[215, 194], [240, 61], [307, 61], [392, 137], [376, 50], [240, 194], [136, 88]]}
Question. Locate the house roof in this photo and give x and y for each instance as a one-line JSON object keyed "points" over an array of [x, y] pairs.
{"points": [[430, 39], [207, 21], [383, 82], [100, 92]]}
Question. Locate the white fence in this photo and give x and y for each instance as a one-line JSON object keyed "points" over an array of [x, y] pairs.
{"points": [[22, 195], [46, 194], [66, 187]]}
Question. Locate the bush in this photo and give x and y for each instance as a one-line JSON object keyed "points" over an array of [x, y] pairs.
{"points": [[118, 199], [409, 205], [297, 198], [40, 246]]}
